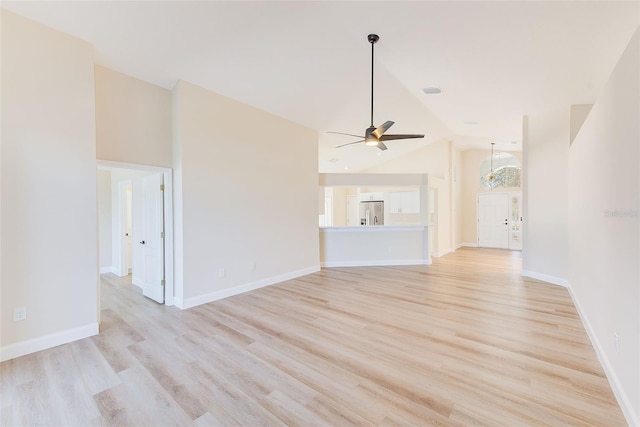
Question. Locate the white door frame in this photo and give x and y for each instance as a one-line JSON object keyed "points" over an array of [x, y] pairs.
{"points": [[168, 221], [121, 269]]}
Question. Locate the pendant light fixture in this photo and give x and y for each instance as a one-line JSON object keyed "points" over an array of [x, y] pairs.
{"points": [[492, 176]]}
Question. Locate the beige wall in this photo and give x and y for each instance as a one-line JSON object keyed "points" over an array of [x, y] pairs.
{"points": [[244, 205], [49, 202], [604, 242], [432, 159], [442, 238], [458, 213], [578, 114], [470, 188], [340, 206], [545, 206], [133, 122]]}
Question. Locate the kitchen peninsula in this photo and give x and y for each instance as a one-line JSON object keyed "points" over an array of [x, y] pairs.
{"points": [[399, 236]]}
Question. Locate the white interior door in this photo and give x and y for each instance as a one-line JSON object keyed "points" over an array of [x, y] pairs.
{"points": [[152, 238], [493, 220], [129, 228]]}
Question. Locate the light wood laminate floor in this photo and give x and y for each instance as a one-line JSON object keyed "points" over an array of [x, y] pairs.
{"points": [[465, 341]]}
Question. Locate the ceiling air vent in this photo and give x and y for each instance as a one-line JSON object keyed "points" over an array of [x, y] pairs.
{"points": [[432, 90]]}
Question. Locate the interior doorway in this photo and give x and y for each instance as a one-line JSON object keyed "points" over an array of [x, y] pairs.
{"points": [[136, 233]]}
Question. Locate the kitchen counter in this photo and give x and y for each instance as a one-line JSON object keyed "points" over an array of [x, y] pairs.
{"points": [[367, 228], [374, 245]]}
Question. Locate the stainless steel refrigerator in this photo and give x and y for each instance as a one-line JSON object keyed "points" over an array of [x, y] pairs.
{"points": [[371, 213]]}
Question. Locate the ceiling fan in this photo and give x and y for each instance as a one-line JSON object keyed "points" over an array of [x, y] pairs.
{"points": [[374, 136]]}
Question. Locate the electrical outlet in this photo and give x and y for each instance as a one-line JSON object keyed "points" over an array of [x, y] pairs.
{"points": [[617, 338], [222, 272], [19, 313]]}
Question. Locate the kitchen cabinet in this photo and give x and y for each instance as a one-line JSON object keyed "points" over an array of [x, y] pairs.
{"points": [[404, 202], [376, 196]]}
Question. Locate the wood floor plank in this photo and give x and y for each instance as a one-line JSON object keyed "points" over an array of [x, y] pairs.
{"points": [[465, 341]]}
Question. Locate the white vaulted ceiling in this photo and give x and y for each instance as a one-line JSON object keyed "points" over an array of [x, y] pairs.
{"points": [[309, 61]]}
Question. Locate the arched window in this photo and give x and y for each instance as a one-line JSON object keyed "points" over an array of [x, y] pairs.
{"points": [[506, 171]]}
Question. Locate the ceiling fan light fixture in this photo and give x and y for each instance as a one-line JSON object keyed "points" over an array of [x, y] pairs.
{"points": [[371, 142], [369, 138]]}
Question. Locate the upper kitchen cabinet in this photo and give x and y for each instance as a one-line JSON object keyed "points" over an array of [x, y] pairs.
{"points": [[404, 201]]}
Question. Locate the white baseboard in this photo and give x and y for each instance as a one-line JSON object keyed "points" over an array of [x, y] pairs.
{"points": [[108, 269], [467, 245], [546, 278], [225, 293], [376, 262], [22, 348], [633, 419], [443, 253]]}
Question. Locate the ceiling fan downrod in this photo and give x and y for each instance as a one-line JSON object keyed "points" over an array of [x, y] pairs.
{"points": [[374, 136], [373, 39]]}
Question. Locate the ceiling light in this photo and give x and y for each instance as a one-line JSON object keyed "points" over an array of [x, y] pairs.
{"points": [[372, 142], [492, 176], [369, 138], [470, 123], [432, 90]]}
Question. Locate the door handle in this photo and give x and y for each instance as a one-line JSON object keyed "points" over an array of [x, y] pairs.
{"points": [[142, 243]]}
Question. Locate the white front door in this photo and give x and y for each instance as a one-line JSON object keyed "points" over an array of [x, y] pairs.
{"points": [[493, 220], [151, 244]]}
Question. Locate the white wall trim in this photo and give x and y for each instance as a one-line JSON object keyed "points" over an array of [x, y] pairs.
{"points": [[225, 293], [441, 254], [546, 278], [623, 400], [22, 348], [466, 245], [108, 269], [375, 262]]}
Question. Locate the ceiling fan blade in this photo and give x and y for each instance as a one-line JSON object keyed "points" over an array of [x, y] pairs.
{"points": [[381, 145], [390, 137], [362, 140], [348, 134], [380, 130]]}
